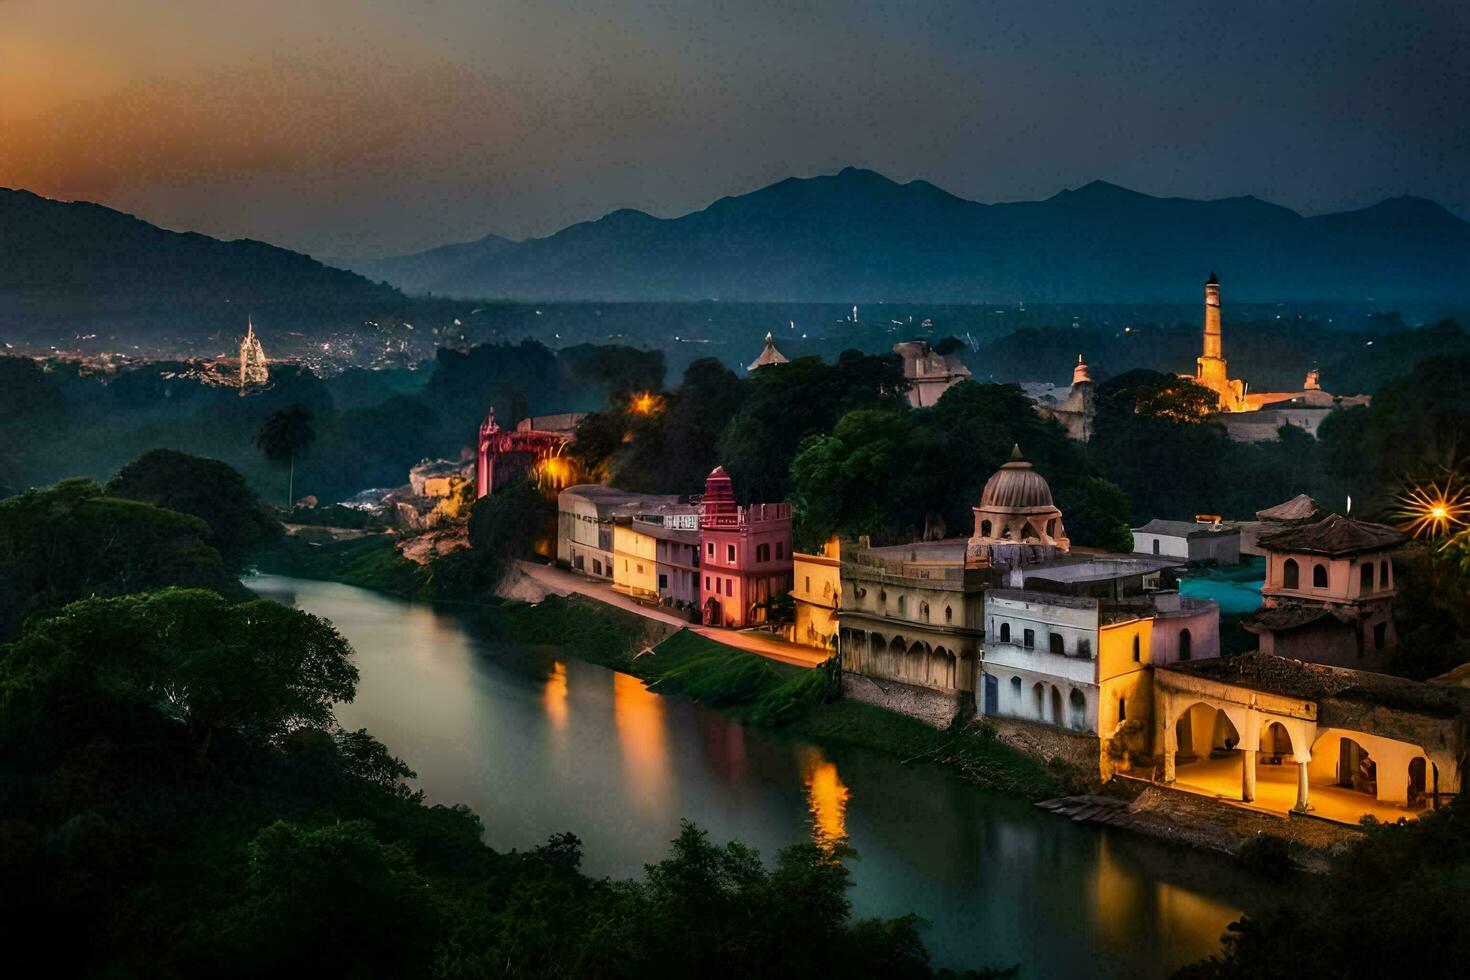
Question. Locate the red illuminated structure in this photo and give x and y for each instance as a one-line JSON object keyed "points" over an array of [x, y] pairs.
{"points": [[745, 555], [505, 456]]}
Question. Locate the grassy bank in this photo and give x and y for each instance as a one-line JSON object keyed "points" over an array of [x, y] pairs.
{"points": [[802, 703]]}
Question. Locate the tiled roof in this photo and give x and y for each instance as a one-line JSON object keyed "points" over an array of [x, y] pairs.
{"points": [[1298, 508], [1335, 535], [1183, 529]]}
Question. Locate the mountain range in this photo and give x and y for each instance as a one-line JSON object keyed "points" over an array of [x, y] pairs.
{"points": [[81, 262], [857, 236], [851, 237]]}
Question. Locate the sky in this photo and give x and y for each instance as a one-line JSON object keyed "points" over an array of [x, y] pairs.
{"points": [[372, 127]]}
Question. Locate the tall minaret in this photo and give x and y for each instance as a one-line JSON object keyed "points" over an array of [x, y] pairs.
{"points": [[1212, 317], [1211, 371]]}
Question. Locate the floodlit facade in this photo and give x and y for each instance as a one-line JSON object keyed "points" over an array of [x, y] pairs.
{"points": [[253, 369], [1285, 735], [929, 373], [745, 555], [816, 593]]}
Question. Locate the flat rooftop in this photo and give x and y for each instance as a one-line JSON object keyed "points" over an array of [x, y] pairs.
{"points": [[1316, 682]]}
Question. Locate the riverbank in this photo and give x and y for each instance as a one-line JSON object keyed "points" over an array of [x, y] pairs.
{"points": [[798, 702]]}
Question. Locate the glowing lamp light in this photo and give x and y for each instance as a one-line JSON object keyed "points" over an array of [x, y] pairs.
{"points": [[1432, 510], [646, 403]]}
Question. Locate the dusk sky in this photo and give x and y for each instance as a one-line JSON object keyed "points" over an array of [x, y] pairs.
{"points": [[368, 127]]}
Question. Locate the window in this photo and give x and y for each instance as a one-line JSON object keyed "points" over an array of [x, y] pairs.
{"points": [[1380, 635], [762, 553], [902, 605], [1365, 577], [709, 548], [1290, 573], [706, 584], [948, 614], [780, 550], [640, 568], [1005, 632], [924, 611], [1084, 647], [596, 566], [729, 586], [1137, 652], [1015, 692], [1186, 645], [1122, 710], [808, 588], [1057, 644], [1383, 574], [1029, 640], [1319, 576], [730, 553], [1156, 546]]}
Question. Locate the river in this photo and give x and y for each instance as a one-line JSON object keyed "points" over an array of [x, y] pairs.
{"points": [[537, 744]]}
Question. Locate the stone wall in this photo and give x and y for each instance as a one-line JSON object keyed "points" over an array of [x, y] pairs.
{"points": [[1079, 750], [932, 707]]}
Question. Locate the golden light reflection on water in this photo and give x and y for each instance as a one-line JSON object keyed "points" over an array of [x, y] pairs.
{"points": [[826, 799], [1129, 909], [554, 695], [639, 716]]}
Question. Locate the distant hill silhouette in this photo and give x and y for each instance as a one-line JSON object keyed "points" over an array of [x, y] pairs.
{"points": [[857, 236], [421, 271], [79, 260]]}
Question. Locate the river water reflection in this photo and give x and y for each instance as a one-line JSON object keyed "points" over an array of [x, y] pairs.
{"points": [[536, 743]]}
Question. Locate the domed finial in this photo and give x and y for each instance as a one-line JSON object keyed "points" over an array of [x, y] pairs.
{"points": [[1080, 373]]}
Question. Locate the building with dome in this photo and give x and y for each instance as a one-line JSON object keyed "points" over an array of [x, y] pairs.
{"points": [[1049, 645], [1016, 520]]}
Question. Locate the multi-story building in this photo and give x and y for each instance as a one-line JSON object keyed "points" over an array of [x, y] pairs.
{"points": [[816, 594], [745, 555], [586, 520], [1082, 663], [656, 556], [1329, 591]]}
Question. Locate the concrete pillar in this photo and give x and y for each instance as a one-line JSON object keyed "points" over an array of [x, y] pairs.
{"points": [[1169, 772], [1301, 788], [1248, 773]]}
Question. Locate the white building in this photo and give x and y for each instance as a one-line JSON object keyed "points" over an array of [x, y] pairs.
{"points": [[1082, 663], [1188, 541]]}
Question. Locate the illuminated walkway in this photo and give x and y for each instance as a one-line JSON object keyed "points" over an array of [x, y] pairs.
{"points": [[1276, 790], [564, 582]]}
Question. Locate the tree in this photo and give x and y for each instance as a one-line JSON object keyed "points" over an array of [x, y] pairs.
{"points": [[210, 490], [504, 526], [210, 663], [283, 437], [328, 899], [71, 540], [1096, 514]]}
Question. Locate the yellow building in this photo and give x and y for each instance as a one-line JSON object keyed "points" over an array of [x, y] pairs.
{"points": [[817, 592], [1125, 690], [635, 570]]}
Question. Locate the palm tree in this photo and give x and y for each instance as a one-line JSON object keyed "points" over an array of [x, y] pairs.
{"points": [[283, 437]]}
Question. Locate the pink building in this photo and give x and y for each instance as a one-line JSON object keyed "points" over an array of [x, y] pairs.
{"points": [[745, 554]]}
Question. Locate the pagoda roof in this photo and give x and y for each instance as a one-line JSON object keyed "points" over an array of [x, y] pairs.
{"points": [[1298, 508], [1335, 535], [770, 355]]}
